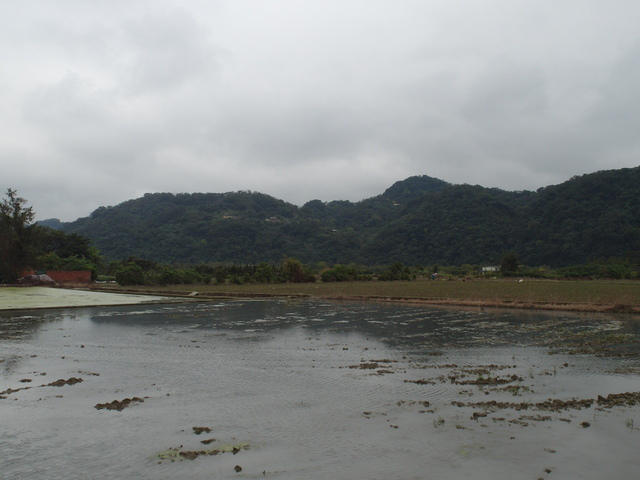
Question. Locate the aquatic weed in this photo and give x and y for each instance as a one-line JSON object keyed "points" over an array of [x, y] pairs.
{"points": [[438, 422]]}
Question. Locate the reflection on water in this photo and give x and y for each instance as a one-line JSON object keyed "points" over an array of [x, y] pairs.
{"points": [[316, 390]]}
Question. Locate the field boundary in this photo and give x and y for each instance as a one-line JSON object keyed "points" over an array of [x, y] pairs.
{"points": [[488, 303]]}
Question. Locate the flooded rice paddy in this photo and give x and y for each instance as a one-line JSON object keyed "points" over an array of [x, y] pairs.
{"points": [[299, 389]]}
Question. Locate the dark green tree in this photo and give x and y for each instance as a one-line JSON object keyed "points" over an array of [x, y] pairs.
{"points": [[265, 273], [509, 263], [293, 271], [56, 250], [130, 274], [16, 230], [396, 271]]}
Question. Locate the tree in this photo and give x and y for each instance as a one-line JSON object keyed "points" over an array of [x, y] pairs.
{"points": [[15, 236], [130, 274], [396, 271], [509, 263], [293, 271], [56, 250], [265, 273]]}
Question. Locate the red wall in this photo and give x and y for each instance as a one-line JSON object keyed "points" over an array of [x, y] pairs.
{"points": [[64, 276]]}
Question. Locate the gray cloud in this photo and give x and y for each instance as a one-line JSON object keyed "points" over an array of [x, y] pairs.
{"points": [[105, 101]]}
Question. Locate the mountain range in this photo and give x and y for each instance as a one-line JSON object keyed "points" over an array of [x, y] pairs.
{"points": [[417, 221]]}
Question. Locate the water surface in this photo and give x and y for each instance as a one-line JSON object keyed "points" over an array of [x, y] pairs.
{"points": [[313, 390]]}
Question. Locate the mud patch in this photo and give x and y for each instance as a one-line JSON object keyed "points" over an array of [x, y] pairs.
{"points": [[179, 453], [201, 430], [62, 382], [119, 405], [628, 399]]}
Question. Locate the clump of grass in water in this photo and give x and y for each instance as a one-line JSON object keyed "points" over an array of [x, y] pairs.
{"points": [[438, 422], [629, 424], [516, 390]]}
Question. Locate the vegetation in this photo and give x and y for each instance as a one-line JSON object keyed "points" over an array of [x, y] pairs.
{"points": [[417, 221], [24, 244], [47, 248], [584, 228], [509, 264], [16, 236], [56, 250], [136, 271]]}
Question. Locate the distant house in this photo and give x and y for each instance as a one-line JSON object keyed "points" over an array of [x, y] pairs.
{"points": [[489, 269], [277, 220]]}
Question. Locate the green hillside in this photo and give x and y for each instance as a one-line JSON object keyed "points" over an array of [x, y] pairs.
{"points": [[460, 224], [417, 221], [591, 216]]}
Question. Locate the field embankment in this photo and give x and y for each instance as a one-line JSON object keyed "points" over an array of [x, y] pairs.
{"points": [[579, 295]]}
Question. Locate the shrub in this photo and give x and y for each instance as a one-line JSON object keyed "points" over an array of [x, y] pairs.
{"points": [[340, 273], [130, 274]]}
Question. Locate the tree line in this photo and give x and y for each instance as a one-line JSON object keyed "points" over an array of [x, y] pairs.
{"points": [[25, 244]]}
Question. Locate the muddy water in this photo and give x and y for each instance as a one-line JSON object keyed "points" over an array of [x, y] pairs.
{"points": [[315, 390]]}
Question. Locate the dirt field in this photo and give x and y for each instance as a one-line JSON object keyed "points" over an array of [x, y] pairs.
{"points": [[586, 295]]}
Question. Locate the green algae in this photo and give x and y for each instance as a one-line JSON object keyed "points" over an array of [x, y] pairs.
{"points": [[23, 298]]}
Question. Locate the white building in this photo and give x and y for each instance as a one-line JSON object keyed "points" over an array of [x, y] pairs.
{"points": [[491, 268]]}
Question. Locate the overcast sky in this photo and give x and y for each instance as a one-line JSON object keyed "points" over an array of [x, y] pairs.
{"points": [[105, 100]]}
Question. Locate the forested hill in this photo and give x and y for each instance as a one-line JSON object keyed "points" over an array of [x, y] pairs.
{"points": [[417, 221]]}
